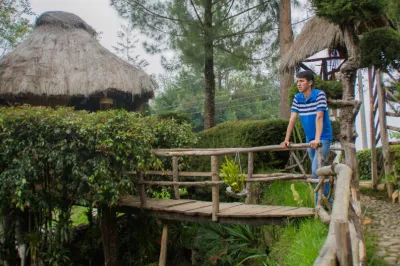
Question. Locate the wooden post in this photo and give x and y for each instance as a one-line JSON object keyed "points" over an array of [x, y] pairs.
{"points": [[372, 132], [250, 171], [164, 243], [175, 176], [142, 191], [388, 164], [343, 243], [362, 110], [109, 236], [321, 191], [215, 188]]}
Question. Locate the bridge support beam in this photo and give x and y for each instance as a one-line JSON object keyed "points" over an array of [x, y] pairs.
{"points": [[164, 243]]}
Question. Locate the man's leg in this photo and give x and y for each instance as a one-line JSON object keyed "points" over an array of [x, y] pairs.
{"points": [[326, 144], [313, 154]]}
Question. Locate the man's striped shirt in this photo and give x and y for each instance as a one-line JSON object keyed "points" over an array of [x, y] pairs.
{"points": [[307, 110]]}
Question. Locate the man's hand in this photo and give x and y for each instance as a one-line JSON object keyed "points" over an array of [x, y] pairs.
{"points": [[314, 144], [285, 144]]}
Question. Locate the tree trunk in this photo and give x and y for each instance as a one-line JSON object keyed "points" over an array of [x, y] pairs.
{"points": [[348, 113], [209, 78], [285, 42], [109, 236]]}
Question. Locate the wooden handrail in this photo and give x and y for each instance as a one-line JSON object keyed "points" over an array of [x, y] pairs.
{"points": [[340, 212]]}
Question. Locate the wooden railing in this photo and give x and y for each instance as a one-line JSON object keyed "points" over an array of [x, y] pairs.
{"points": [[345, 242], [215, 181]]}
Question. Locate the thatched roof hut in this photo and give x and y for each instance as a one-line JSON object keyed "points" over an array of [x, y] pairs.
{"points": [[317, 34], [62, 62]]}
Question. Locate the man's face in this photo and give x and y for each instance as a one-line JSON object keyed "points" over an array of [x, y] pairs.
{"points": [[303, 84]]}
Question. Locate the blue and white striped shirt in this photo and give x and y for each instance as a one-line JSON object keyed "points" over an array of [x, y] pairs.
{"points": [[307, 110]]}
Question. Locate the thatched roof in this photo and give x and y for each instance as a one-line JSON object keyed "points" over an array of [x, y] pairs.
{"points": [[62, 57], [317, 34]]}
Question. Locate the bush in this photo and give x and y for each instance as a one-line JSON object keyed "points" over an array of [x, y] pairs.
{"points": [[49, 156], [180, 118], [364, 161], [246, 134]]}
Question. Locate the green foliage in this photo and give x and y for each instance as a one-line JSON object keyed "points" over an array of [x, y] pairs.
{"points": [[177, 116], [299, 245], [78, 153], [381, 48], [344, 11], [364, 161], [281, 193], [239, 96], [247, 134], [231, 245], [231, 175], [13, 22], [333, 89]]}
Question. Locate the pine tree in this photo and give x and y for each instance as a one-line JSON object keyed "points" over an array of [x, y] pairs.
{"points": [[125, 48], [201, 29]]}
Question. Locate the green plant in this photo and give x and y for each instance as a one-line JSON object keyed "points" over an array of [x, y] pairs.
{"points": [[163, 194], [232, 175], [388, 178]]}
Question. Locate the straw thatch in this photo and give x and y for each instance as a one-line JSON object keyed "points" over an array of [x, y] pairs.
{"points": [[62, 57], [317, 34]]}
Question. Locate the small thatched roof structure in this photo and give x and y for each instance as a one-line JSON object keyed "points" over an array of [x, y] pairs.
{"points": [[62, 57], [317, 34]]}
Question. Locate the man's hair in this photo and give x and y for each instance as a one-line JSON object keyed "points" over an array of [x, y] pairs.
{"points": [[308, 75]]}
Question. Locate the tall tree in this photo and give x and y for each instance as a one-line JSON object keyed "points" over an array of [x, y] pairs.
{"points": [[126, 45], [200, 28], [285, 42], [14, 24]]}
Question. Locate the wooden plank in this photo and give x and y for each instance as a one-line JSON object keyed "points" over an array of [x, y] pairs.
{"points": [[298, 212], [170, 173], [161, 204], [245, 210], [206, 211], [188, 207]]}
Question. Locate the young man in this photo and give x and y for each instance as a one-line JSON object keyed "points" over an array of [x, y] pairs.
{"points": [[310, 104]]}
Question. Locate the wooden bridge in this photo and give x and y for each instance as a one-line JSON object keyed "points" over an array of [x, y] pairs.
{"points": [[201, 211], [344, 242]]}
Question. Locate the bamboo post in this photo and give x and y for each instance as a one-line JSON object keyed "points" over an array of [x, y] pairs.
{"points": [[298, 162], [215, 188], [250, 170], [142, 191], [343, 244], [374, 167], [362, 110], [321, 191], [387, 162], [175, 176], [164, 242]]}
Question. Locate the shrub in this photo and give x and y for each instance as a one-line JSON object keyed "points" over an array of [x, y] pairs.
{"points": [[49, 156], [364, 161], [178, 117], [246, 134]]}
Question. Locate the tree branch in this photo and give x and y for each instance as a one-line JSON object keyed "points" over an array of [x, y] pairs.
{"points": [[240, 13], [136, 3], [197, 14]]}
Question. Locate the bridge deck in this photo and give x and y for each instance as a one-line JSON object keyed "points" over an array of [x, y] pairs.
{"points": [[201, 211]]}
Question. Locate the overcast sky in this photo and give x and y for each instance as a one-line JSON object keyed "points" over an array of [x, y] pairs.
{"points": [[102, 17]]}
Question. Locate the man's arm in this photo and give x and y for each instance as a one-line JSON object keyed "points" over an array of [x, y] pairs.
{"points": [[318, 129], [292, 122]]}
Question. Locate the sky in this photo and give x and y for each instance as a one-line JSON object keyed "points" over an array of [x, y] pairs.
{"points": [[102, 17]]}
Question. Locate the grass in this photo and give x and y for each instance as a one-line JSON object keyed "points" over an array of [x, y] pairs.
{"points": [[299, 244], [79, 215], [280, 193]]}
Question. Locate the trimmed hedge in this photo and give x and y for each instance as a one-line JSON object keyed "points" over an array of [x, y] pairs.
{"points": [[247, 133], [364, 161], [250, 133]]}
